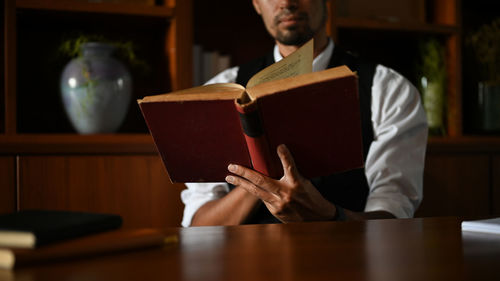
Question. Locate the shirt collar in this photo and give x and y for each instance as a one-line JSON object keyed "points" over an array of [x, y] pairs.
{"points": [[320, 62]]}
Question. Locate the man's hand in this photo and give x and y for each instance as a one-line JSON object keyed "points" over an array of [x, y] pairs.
{"points": [[290, 199]]}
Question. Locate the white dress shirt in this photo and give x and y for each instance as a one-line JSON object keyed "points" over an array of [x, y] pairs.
{"points": [[395, 162]]}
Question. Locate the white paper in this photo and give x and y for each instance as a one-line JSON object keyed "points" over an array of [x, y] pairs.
{"points": [[484, 226]]}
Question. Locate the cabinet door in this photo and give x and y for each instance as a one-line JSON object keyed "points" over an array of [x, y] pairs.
{"points": [[136, 187], [7, 184], [496, 186], [455, 185]]}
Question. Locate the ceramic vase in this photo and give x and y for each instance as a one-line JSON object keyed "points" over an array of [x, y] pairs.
{"points": [[96, 90]]}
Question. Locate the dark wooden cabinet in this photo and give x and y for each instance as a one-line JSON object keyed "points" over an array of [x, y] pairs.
{"points": [[43, 162], [134, 186], [495, 190], [7, 184], [35, 30], [456, 185], [461, 177], [120, 174]]}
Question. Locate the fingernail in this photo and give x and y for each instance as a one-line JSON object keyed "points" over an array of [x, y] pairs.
{"points": [[230, 179], [231, 168], [282, 148]]}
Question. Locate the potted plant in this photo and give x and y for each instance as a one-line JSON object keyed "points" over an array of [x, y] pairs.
{"points": [[432, 81]]}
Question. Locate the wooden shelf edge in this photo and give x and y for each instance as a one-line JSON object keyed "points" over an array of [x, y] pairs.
{"points": [[464, 144], [16, 144], [104, 8], [76, 144], [355, 23]]}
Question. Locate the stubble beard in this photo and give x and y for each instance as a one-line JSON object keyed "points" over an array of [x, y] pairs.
{"points": [[296, 35]]}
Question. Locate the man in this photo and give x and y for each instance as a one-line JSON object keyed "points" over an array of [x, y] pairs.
{"points": [[394, 139]]}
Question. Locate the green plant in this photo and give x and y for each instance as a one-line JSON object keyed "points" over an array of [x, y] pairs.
{"points": [[432, 64], [124, 50], [486, 44], [432, 77]]}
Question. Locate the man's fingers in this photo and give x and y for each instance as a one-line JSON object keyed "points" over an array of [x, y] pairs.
{"points": [[289, 168], [263, 194], [255, 178]]}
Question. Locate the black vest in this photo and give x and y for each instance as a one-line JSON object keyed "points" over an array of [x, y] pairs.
{"points": [[348, 189]]}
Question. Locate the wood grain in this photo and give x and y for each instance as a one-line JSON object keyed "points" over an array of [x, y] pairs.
{"points": [[178, 46], [10, 67], [379, 25], [380, 250], [2, 69], [445, 11], [464, 145], [454, 85], [136, 187], [455, 185], [7, 184], [77, 144], [495, 186], [106, 8]]}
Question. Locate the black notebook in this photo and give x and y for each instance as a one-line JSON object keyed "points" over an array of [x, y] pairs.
{"points": [[33, 228]]}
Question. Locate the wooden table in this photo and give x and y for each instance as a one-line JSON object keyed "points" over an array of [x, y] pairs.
{"points": [[381, 250]]}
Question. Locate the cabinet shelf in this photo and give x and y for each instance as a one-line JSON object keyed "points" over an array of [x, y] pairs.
{"points": [[40, 144], [77, 144], [464, 144], [371, 24], [160, 35], [101, 8]]}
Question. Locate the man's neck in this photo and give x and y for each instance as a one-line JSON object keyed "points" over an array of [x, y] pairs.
{"points": [[320, 43]]}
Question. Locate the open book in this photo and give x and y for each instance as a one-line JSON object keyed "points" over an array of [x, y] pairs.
{"points": [[199, 131]]}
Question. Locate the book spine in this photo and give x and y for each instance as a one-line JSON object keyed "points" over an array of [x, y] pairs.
{"points": [[258, 147]]}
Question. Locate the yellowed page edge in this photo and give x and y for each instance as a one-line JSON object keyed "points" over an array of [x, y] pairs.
{"points": [[299, 62], [265, 89], [206, 92]]}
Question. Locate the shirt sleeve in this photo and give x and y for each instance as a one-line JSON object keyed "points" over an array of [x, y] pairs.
{"points": [[197, 194], [395, 162], [226, 76]]}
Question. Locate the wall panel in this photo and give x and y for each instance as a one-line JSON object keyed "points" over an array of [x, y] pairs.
{"points": [[136, 187]]}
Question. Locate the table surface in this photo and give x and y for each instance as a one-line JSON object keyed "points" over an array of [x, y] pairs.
{"points": [[404, 249]]}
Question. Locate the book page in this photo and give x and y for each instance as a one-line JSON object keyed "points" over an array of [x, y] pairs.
{"points": [[206, 92], [283, 85], [299, 62]]}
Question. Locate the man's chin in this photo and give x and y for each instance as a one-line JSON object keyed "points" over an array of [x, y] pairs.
{"points": [[293, 38]]}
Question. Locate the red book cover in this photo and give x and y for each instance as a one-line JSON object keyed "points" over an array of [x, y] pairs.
{"points": [[197, 140], [320, 124]]}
